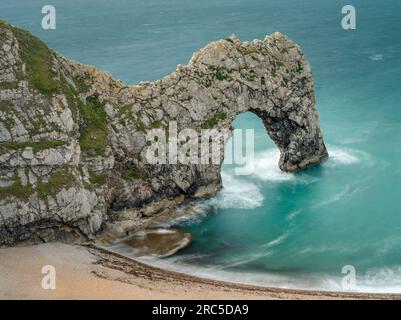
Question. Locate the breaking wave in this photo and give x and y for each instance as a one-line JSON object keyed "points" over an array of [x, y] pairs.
{"points": [[193, 215], [242, 187], [339, 156], [237, 193], [264, 166]]}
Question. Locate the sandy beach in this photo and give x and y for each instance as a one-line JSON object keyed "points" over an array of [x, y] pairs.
{"points": [[86, 272]]}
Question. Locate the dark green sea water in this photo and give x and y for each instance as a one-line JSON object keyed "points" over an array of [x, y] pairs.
{"points": [[272, 228]]}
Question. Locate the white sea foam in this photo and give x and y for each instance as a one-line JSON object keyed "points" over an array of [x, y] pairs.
{"points": [[293, 214], [377, 57], [387, 279], [188, 257], [264, 166], [241, 260], [312, 250], [198, 211], [179, 245], [265, 250], [336, 197], [276, 241], [160, 231], [339, 156], [237, 193]]}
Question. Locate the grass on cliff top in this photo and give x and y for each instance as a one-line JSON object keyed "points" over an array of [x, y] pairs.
{"points": [[38, 58], [93, 138], [36, 145], [38, 61]]}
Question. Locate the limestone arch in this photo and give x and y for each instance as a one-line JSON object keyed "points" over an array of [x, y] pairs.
{"points": [[270, 78]]}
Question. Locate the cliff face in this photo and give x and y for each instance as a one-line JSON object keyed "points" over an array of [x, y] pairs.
{"points": [[72, 138]]}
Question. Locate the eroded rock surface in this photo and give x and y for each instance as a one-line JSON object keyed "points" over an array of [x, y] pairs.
{"points": [[72, 138]]}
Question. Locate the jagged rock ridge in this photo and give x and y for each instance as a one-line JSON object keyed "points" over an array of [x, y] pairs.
{"points": [[72, 137]]}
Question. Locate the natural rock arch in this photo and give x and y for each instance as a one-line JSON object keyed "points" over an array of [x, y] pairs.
{"points": [[270, 78], [78, 157]]}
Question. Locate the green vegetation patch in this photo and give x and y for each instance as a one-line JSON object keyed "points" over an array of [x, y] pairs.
{"points": [[74, 103], [219, 73], [57, 181], [249, 50], [80, 83], [16, 190], [38, 61], [251, 76], [97, 178], [133, 173], [9, 85], [140, 125], [36, 145], [212, 122], [186, 99], [3, 27], [156, 124], [125, 111], [93, 129]]}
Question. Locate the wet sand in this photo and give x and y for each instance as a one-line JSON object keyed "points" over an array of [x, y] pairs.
{"points": [[86, 272]]}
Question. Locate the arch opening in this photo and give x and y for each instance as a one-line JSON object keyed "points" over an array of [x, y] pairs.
{"points": [[261, 157]]}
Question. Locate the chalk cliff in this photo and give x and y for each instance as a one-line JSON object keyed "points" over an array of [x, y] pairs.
{"points": [[72, 138]]}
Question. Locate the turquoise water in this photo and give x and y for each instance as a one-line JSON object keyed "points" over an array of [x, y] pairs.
{"points": [[290, 230]]}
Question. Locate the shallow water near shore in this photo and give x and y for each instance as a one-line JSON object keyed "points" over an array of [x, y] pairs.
{"points": [[154, 242], [272, 228]]}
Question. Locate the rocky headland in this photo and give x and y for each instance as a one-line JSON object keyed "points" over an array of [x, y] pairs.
{"points": [[72, 137]]}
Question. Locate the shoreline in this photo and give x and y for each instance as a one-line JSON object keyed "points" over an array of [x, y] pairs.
{"points": [[88, 272], [280, 293]]}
